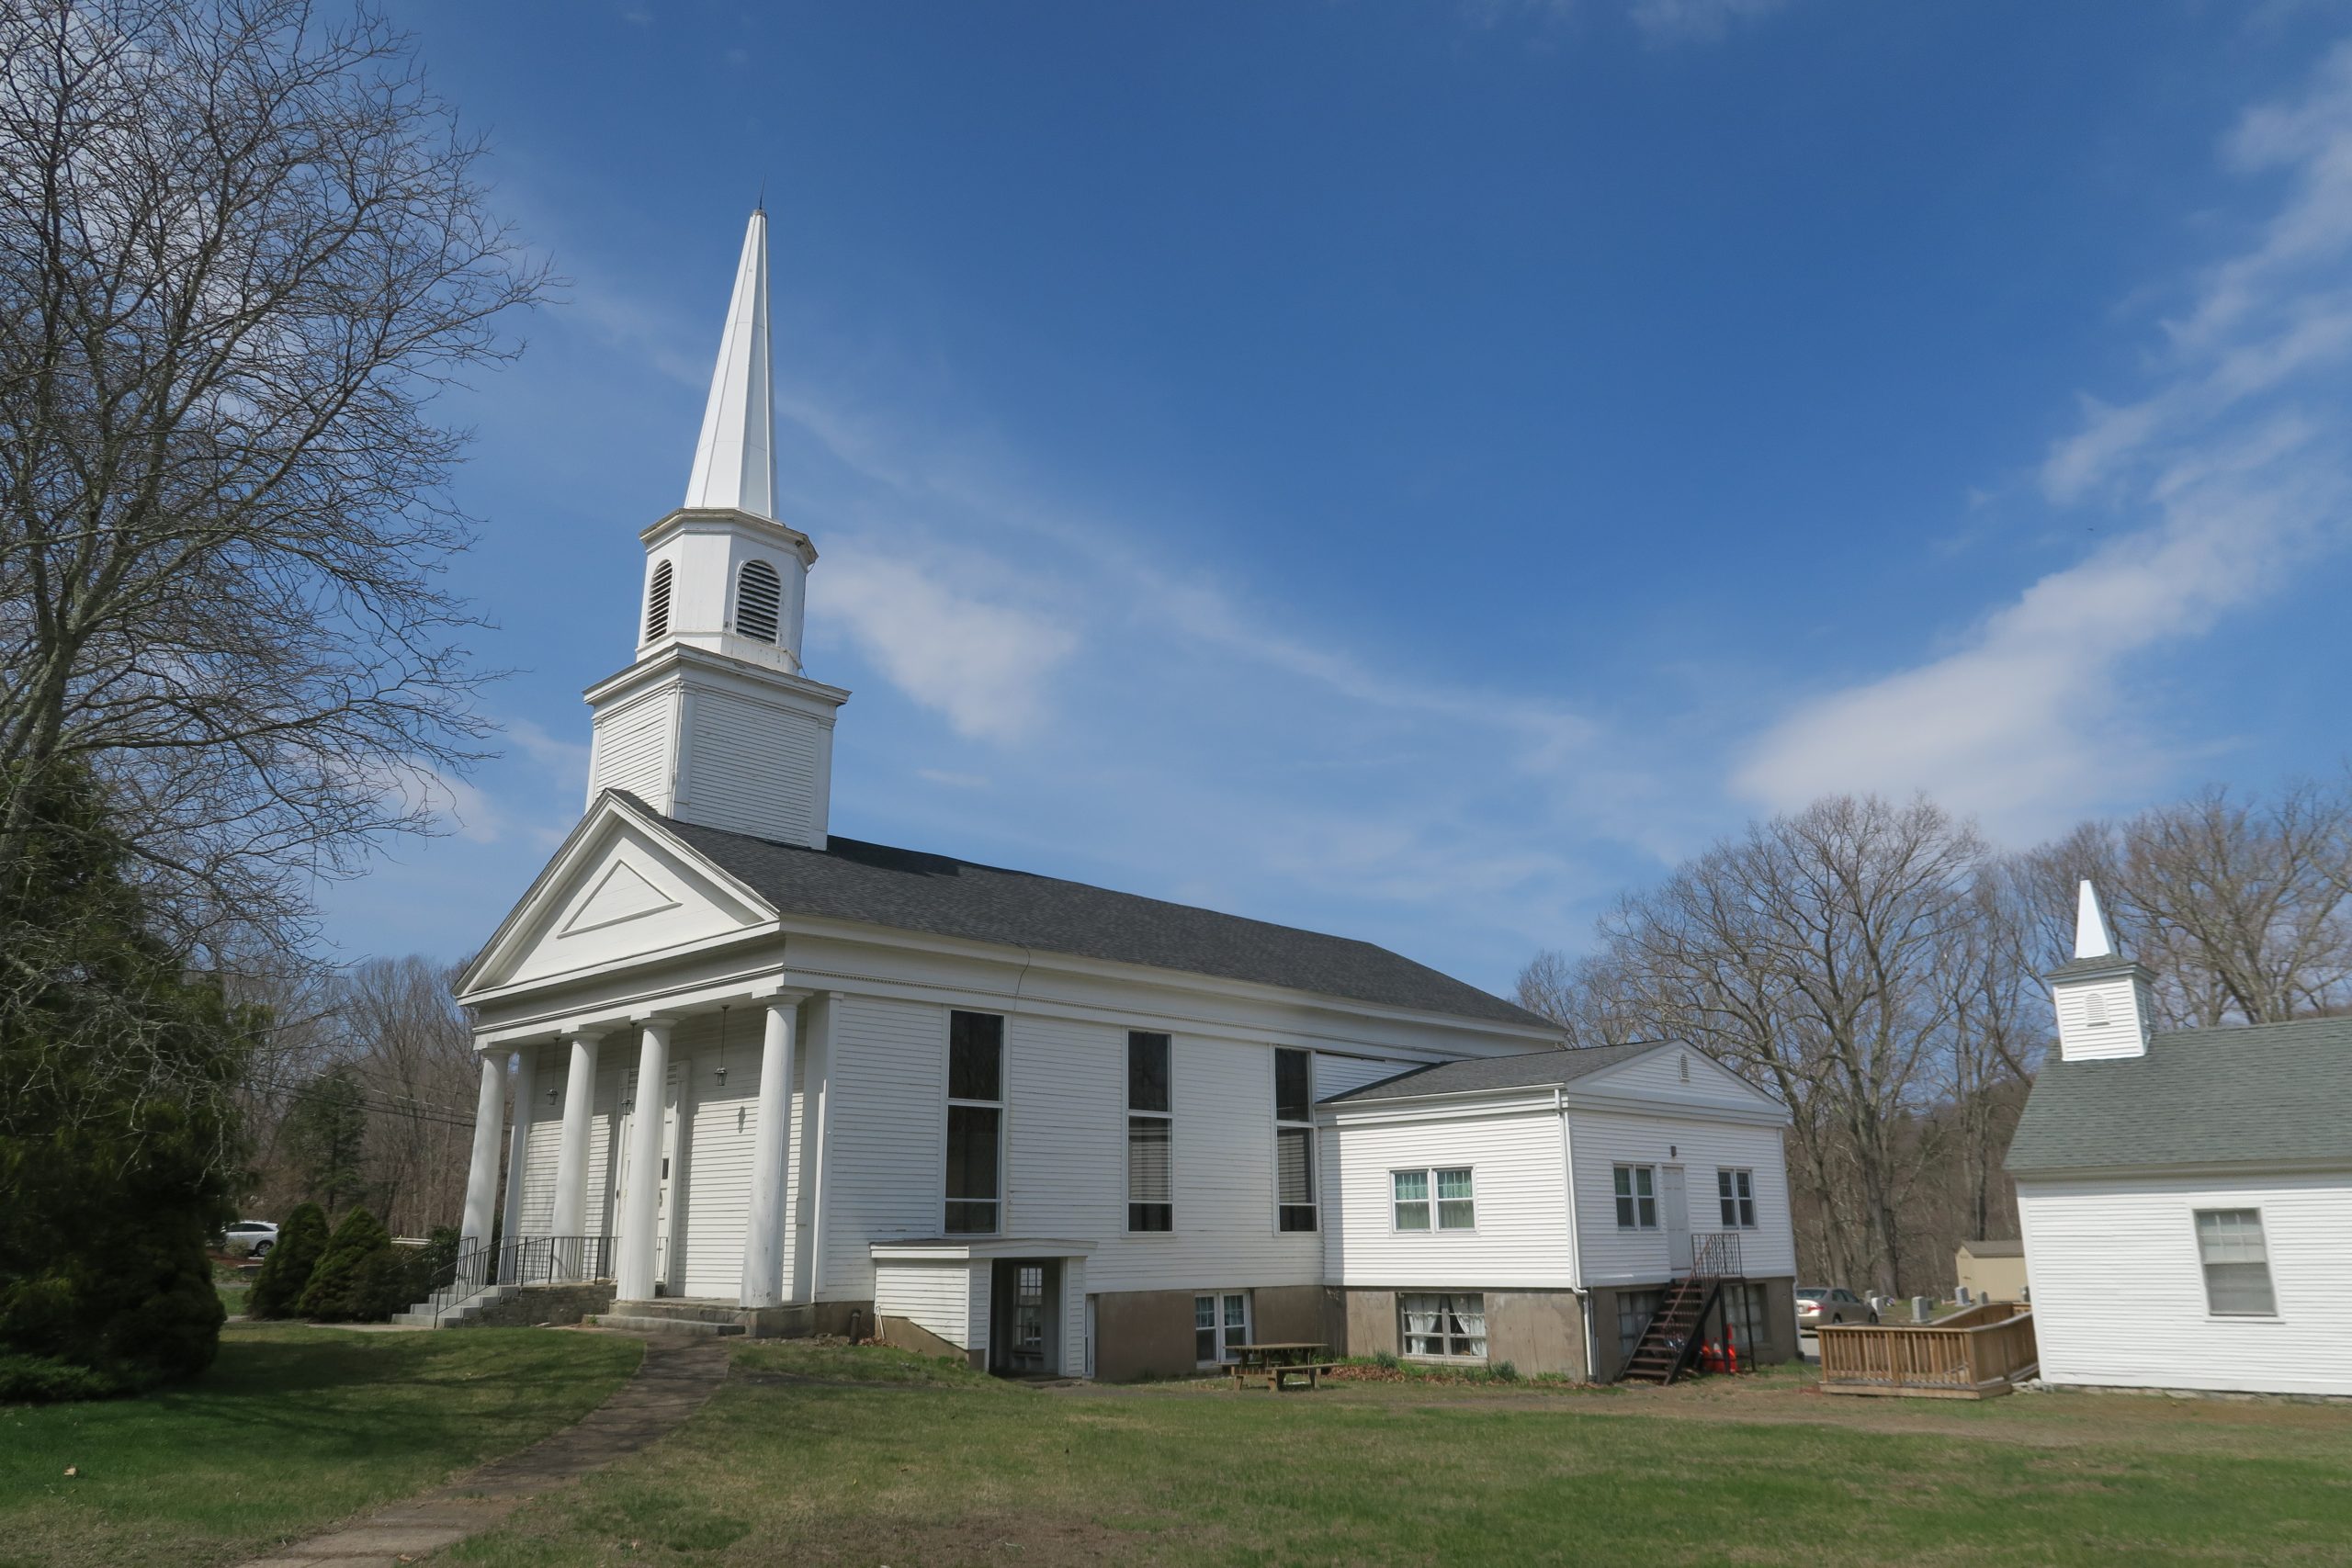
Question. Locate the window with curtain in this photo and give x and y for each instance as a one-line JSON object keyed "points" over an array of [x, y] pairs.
{"points": [[1295, 1139], [2237, 1263], [759, 601], [1151, 1129], [1736, 1191], [1455, 1208], [1444, 1324], [974, 1122], [1634, 1310], [1636, 1198]]}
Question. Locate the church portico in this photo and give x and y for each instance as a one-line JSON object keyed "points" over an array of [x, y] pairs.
{"points": [[682, 1189]]}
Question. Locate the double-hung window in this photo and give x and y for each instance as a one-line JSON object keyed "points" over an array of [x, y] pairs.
{"points": [[1220, 1321], [1412, 1209], [974, 1122], [1736, 1191], [1454, 1324], [1150, 1179], [1636, 1198], [1295, 1139], [2237, 1263]]}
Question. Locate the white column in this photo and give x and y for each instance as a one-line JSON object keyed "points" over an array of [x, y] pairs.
{"points": [[517, 1146], [771, 1138], [571, 1152], [641, 1199], [482, 1175]]}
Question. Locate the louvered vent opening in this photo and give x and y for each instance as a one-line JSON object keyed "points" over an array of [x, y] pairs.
{"points": [[2095, 1011], [759, 597], [657, 604]]}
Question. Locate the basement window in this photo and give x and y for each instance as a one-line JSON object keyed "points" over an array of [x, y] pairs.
{"points": [[2237, 1263], [758, 598], [1452, 1325]]}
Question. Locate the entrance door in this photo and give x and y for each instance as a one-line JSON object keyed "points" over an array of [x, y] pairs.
{"points": [[1674, 1201], [1022, 1337]]}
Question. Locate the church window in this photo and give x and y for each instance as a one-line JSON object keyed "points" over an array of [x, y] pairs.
{"points": [[1150, 1198], [657, 604], [1295, 1140], [974, 1122], [759, 599]]}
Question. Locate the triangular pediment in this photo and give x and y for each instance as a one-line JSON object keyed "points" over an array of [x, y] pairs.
{"points": [[622, 890], [623, 893], [1677, 1072]]}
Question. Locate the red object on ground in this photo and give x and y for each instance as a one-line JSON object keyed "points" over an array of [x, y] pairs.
{"points": [[1731, 1352]]}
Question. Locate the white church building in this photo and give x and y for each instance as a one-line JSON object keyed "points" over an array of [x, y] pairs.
{"points": [[2184, 1196], [767, 1079]]}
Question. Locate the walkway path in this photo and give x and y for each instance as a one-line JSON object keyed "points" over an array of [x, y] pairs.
{"points": [[669, 1385]]}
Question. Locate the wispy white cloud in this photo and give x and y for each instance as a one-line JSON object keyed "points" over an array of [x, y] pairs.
{"points": [[2226, 472], [982, 665]]}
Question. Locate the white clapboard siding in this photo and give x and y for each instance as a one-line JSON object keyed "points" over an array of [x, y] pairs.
{"points": [[2119, 1289], [939, 1297], [708, 1231], [545, 1134], [1519, 1191], [751, 767], [1661, 1075], [631, 749], [1066, 1087], [1335, 1074], [2121, 1015], [1599, 1141], [886, 1169], [1073, 1345]]}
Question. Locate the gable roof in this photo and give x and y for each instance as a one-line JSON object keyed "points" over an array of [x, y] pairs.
{"points": [[2259, 1094], [1534, 1069], [908, 890]]}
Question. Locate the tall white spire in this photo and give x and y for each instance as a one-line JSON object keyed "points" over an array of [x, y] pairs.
{"points": [[2093, 937], [735, 457]]}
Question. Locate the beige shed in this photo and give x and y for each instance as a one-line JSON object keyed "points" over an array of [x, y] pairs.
{"points": [[1992, 1270]]}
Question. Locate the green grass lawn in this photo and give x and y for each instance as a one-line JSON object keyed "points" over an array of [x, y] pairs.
{"points": [[292, 1429], [817, 1455]]}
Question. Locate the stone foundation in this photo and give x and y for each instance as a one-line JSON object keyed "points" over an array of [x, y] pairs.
{"points": [[1535, 1331], [534, 1307]]}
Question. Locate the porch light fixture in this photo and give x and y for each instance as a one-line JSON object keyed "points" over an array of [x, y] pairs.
{"points": [[722, 1046]]}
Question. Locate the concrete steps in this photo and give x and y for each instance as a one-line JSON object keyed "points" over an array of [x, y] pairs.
{"points": [[443, 1308], [682, 1328], [702, 1318]]}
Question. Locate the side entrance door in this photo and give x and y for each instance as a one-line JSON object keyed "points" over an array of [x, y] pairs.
{"points": [[1674, 1202], [1024, 1337]]}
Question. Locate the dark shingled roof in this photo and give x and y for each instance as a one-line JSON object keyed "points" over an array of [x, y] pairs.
{"points": [[1536, 1069], [908, 890], [2266, 1093], [1994, 1249]]}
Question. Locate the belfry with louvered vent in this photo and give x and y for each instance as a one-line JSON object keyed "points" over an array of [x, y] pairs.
{"points": [[715, 723]]}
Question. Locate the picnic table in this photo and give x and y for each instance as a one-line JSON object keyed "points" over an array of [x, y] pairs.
{"points": [[1280, 1363]]}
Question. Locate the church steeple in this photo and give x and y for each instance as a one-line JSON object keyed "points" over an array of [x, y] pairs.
{"points": [[715, 723], [735, 457]]}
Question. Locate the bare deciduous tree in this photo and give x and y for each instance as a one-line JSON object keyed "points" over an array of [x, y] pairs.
{"points": [[241, 248]]}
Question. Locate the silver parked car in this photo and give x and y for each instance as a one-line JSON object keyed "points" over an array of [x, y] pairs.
{"points": [[253, 1237], [1817, 1305]]}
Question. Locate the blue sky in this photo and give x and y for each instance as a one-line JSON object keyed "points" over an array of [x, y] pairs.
{"points": [[1416, 471]]}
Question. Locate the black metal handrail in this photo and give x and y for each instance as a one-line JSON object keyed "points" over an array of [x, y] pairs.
{"points": [[525, 1261], [1714, 1255]]}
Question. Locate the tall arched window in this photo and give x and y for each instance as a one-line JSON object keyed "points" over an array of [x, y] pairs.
{"points": [[657, 604], [759, 597]]}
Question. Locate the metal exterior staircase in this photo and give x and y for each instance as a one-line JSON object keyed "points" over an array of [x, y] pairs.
{"points": [[1670, 1342]]}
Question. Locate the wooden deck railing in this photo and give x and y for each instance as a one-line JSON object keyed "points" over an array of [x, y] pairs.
{"points": [[1970, 1355]]}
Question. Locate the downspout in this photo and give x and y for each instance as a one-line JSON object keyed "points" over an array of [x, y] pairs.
{"points": [[1576, 1235]]}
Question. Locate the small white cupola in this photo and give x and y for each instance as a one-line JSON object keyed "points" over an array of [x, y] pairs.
{"points": [[715, 722], [2105, 1009]]}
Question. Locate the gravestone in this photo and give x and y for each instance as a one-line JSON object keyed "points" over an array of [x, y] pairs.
{"points": [[1922, 1309]]}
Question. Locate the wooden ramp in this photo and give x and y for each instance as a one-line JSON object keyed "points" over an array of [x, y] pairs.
{"points": [[1979, 1353]]}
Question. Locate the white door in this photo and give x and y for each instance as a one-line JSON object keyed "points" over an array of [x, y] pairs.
{"points": [[1676, 1203]]}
